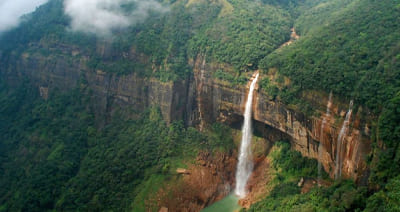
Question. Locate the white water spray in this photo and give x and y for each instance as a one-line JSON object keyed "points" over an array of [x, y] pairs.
{"points": [[320, 146], [343, 132], [245, 165]]}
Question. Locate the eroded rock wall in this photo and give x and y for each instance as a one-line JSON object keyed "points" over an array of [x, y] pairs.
{"points": [[108, 92], [219, 101], [200, 100]]}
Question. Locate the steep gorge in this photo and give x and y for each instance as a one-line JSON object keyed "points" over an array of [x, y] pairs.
{"points": [[201, 99], [191, 67]]}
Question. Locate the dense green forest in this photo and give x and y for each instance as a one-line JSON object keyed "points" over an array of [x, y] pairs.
{"points": [[286, 195], [348, 47], [353, 52], [341, 196], [54, 154]]}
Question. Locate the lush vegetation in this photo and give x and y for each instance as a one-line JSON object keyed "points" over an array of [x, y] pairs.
{"points": [[343, 196], [243, 36], [348, 47], [53, 156], [42, 145], [352, 51], [386, 164], [340, 196], [387, 199], [290, 163], [286, 196], [238, 33]]}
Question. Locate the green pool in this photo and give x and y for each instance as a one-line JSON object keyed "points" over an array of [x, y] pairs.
{"points": [[227, 204]]}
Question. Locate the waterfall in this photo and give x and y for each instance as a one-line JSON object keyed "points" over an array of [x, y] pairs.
{"points": [[321, 135], [245, 165], [339, 143]]}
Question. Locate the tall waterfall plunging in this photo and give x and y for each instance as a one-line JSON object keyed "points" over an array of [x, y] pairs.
{"points": [[342, 133], [245, 165], [320, 146]]}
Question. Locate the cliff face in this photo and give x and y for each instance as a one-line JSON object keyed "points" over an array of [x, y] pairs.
{"points": [[109, 92], [200, 100], [308, 133], [218, 101]]}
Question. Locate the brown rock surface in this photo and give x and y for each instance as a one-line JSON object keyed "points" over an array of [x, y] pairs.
{"points": [[201, 100], [163, 209], [219, 101], [206, 183]]}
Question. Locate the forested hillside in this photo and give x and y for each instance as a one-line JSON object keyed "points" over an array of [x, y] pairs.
{"points": [[54, 157], [55, 154], [352, 51]]}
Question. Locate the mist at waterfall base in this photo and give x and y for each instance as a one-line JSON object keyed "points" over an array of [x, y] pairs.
{"points": [[245, 165]]}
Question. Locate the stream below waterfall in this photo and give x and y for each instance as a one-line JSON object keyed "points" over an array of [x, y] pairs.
{"points": [[227, 204]]}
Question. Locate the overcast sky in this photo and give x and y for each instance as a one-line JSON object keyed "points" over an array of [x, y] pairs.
{"points": [[11, 10], [93, 16]]}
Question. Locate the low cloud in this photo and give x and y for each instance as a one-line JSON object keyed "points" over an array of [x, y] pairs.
{"points": [[12, 10], [103, 16]]}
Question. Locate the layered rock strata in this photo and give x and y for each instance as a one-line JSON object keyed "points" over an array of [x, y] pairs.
{"points": [[199, 100]]}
